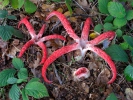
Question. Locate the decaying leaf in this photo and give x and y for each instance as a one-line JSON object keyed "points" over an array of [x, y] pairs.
{"points": [[129, 93], [48, 8]]}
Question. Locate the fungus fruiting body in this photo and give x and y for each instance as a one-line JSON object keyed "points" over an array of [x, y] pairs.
{"points": [[80, 43], [37, 39]]}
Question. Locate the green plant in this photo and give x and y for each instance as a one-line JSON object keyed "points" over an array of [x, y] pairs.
{"points": [[67, 2], [29, 6], [111, 97], [117, 16], [7, 31], [118, 53], [17, 78]]}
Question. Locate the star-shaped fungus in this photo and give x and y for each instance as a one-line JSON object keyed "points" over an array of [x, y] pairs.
{"points": [[37, 39], [81, 44]]}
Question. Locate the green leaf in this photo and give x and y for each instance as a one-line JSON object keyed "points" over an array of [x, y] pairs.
{"points": [[21, 80], [117, 53], [17, 63], [17, 33], [14, 92], [111, 97], [12, 17], [4, 3], [109, 19], [119, 33], [119, 22], [12, 80], [128, 73], [56, 0], [36, 89], [24, 95], [6, 32], [132, 3], [108, 26], [128, 39], [29, 6], [14, 3], [5, 75], [3, 13], [20, 3], [98, 28], [116, 9], [129, 15], [34, 80], [124, 45], [102, 6], [68, 3], [23, 73]]}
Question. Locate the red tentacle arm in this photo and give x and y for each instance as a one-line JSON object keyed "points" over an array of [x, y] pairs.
{"points": [[86, 29], [41, 31], [44, 51], [28, 25], [56, 54], [25, 47], [65, 23], [55, 36], [106, 35], [107, 58]]}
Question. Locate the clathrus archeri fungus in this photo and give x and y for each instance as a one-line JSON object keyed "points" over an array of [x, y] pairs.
{"points": [[37, 39], [81, 43]]}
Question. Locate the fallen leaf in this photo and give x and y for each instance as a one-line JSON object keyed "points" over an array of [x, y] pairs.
{"points": [[60, 10], [83, 3], [48, 8], [129, 93]]}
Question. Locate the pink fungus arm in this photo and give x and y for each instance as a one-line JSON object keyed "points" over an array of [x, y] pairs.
{"points": [[65, 23], [108, 59], [55, 36], [25, 47], [44, 51], [107, 35], [86, 29], [56, 54], [41, 31], [28, 25]]}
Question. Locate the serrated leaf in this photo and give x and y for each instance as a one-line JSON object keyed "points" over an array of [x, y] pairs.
{"points": [[128, 39], [68, 3], [98, 28], [108, 26], [6, 32], [29, 6], [23, 73], [5, 75], [3, 13], [17, 63], [116, 9], [12, 17], [111, 97], [12, 80], [129, 15], [14, 3], [24, 96], [34, 80], [36, 89], [108, 19], [20, 3], [124, 45], [128, 73], [14, 92], [119, 33], [119, 22], [117, 53], [102, 5]]}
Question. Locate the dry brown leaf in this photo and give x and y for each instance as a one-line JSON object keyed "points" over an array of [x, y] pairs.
{"points": [[3, 44], [129, 93], [103, 77], [48, 8], [34, 1], [83, 3], [60, 10], [67, 13]]}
